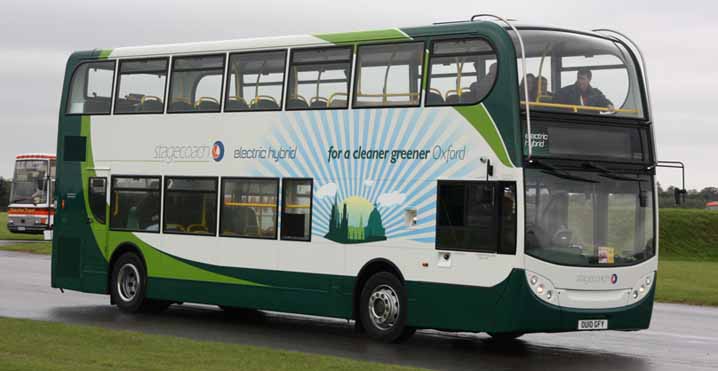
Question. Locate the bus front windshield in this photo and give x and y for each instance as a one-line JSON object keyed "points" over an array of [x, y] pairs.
{"points": [[589, 219], [30, 182], [576, 73]]}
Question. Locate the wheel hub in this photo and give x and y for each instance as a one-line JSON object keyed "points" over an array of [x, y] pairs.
{"points": [[383, 307], [128, 282]]}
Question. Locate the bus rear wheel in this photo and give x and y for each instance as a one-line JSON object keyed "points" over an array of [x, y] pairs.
{"points": [[383, 309], [129, 284]]}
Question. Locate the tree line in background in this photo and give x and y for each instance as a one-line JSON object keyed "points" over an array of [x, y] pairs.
{"points": [[4, 193], [694, 199]]}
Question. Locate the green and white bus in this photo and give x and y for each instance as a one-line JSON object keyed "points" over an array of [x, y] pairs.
{"points": [[461, 176]]}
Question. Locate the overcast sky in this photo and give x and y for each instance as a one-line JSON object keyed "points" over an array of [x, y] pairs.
{"points": [[36, 37]]}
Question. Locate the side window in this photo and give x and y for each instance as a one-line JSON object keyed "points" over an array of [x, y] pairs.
{"points": [[319, 78], [460, 72], [190, 206], [476, 216], [135, 204], [141, 86], [249, 207], [91, 88], [389, 75], [196, 84], [255, 81], [297, 209], [97, 198]]}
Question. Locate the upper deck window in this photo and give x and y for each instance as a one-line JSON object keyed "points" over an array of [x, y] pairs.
{"points": [[461, 72], [389, 75], [141, 86], [255, 81], [319, 78], [575, 73], [196, 84], [91, 88]]}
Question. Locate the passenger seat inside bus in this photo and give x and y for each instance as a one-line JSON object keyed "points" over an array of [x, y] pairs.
{"points": [[236, 103], [434, 98], [297, 103]]}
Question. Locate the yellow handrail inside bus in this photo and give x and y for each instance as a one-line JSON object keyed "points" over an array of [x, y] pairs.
{"points": [[117, 204], [238, 98], [296, 206], [258, 97], [577, 108], [333, 96], [249, 204], [205, 99], [150, 97]]}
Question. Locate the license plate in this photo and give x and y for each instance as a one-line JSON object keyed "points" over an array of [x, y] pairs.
{"points": [[21, 229], [593, 324]]}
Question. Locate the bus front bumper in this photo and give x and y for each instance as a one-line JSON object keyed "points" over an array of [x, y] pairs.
{"points": [[529, 314]]}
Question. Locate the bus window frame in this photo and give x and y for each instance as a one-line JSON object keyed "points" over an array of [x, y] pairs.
{"points": [[228, 74], [429, 68], [355, 77], [163, 204], [277, 205], [118, 83], [112, 201], [84, 93], [284, 204], [350, 74], [194, 88]]}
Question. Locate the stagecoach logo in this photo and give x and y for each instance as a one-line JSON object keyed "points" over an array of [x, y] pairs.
{"points": [[218, 151], [189, 152], [590, 279]]}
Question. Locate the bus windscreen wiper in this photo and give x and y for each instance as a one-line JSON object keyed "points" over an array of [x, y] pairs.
{"points": [[607, 173], [552, 170]]}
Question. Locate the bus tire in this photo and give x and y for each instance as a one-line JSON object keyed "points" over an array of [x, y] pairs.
{"points": [[129, 286], [383, 309]]}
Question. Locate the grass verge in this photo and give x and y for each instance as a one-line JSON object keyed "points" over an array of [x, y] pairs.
{"points": [[687, 282], [30, 247], [34, 345], [7, 235]]}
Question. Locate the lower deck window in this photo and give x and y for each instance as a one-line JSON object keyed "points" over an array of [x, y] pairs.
{"points": [[476, 216], [249, 207], [190, 206], [297, 209], [135, 204]]}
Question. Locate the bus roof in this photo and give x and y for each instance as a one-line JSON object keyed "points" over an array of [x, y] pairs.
{"points": [[34, 156], [389, 34]]}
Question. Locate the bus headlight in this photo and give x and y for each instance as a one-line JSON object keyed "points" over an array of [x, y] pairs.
{"points": [[542, 287], [642, 287]]}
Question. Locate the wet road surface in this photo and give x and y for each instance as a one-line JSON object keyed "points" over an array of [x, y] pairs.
{"points": [[680, 338]]}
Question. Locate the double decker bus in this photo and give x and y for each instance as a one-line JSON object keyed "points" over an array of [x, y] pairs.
{"points": [[476, 176], [31, 208]]}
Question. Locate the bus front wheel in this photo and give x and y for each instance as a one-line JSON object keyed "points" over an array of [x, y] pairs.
{"points": [[383, 309], [129, 284]]}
